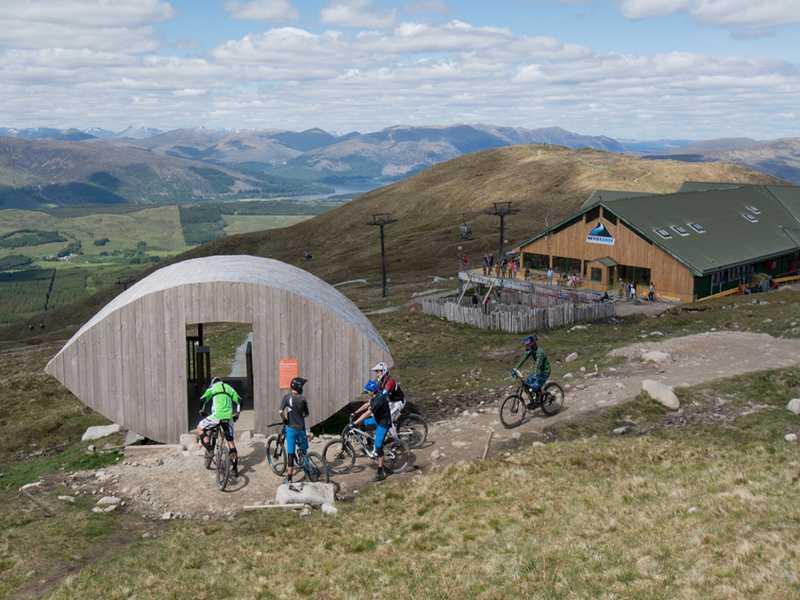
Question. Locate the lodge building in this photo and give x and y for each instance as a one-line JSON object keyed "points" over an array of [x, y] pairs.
{"points": [[704, 239]]}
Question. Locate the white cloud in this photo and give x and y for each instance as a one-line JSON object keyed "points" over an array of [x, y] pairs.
{"points": [[357, 13], [733, 13], [262, 10], [83, 24]]}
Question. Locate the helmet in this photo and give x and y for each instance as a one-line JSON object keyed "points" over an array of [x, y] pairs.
{"points": [[530, 341], [381, 366], [297, 384], [371, 387], [214, 381]]}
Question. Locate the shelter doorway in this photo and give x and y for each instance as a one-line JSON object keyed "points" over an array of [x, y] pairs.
{"points": [[222, 350]]}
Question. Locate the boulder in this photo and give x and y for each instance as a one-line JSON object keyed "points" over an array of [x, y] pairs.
{"points": [[656, 357], [100, 431], [131, 438], [794, 406], [661, 393], [790, 437], [313, 493], [329, 509], [571, 357], [108, 501]]}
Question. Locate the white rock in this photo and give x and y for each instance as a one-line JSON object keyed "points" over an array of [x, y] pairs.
{"points": [[69, 499], [656, 334], [131, 438], [656, 357], [579, 327], [620, 430], [790, 437], [188, 441], [167, 516], [105, 509], [31, 486], [100, 431], [329, 509], [568, 376], [692, 509], [516, 435], [436, 455], [620, 385], [661, 393], [313, 493], [108, 501], [571, 357], [583, 369], [794, 406]]}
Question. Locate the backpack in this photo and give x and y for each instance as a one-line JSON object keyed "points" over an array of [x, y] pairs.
{"points": [[397, 394]]}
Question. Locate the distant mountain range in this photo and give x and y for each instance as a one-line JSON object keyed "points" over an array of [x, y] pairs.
{"points": [[376, 158]]}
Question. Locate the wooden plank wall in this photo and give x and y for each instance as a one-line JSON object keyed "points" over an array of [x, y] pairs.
{"points": [[131, 365], [673, 280]]}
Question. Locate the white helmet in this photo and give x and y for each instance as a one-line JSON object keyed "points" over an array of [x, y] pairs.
{"points": [[381, 366]]}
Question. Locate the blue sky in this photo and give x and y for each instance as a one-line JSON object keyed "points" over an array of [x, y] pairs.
{"points": [[625, 68]]}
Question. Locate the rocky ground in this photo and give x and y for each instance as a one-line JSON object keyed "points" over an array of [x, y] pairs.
{"points": [[173, 483]]}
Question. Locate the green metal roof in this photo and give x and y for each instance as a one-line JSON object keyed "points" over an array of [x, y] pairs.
{"points": [[729, 238], [607, 262], [705, 186], [599, 196]]}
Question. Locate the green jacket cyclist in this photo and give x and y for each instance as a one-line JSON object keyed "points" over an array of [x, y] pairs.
{"points": [[541, 370], [225, 410]]}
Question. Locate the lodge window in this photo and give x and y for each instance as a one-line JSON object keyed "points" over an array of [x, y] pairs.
{"points": [[597, 274], [566, 265], [593, 214], [536, 262]]}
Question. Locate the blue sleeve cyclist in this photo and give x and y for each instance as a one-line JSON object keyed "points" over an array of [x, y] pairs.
{"points": [[377, 414], [541, 370], [294, 410]]}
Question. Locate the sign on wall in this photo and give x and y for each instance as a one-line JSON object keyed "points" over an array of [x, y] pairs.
{"points": [[600, 235], [288, 369]]}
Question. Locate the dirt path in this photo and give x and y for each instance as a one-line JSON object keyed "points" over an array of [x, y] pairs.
{"points": [[178, 482]]}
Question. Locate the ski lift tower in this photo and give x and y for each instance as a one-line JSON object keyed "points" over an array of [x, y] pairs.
{"points": [[502, 210], [382, 220]]}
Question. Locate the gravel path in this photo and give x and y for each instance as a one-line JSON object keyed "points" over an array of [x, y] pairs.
{"points": [[160, 481]]}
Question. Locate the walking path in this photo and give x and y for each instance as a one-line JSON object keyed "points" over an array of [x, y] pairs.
{"points": [[167, 480]]}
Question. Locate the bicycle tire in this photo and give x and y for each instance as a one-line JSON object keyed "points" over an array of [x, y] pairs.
{"points": [[552, 399], [209, 456], [512, 411], [315, 468], [276, 455], [396, 455], [413, 430], [339, 456], [223, 467]]}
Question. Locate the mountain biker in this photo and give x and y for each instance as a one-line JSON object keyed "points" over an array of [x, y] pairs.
{"points": [[541, 370], [226, 406], [377, 414], [388, 385], [294, 410]]}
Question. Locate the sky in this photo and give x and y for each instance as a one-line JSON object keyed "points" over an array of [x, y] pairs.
{"points": [[633, 69]]}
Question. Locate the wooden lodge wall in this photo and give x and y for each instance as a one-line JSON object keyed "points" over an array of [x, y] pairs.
{"points": [[129, 362], [673, 280]]}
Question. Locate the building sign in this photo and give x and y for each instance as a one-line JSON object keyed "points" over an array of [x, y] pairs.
{"points": [[600, 235], [288, 369]]}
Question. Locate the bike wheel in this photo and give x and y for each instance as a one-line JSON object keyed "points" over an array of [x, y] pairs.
{"points": [[413, 430], [209, 457], [223, 466], [276, 455], [512, 411], [396, 455], [339, 456], [315, 467], [552, 399]]}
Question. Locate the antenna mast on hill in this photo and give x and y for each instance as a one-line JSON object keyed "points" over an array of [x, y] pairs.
{"points": [[502, 210], [382, 220]]}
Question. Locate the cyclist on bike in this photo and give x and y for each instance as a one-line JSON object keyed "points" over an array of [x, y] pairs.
{"points": [[226, 407], [377, 414], [541, 370], [388, 385], [294, 410]]}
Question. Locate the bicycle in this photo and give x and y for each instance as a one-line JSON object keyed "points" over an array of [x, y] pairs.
{"points": [[550, 399], [218, 454], [340, 454], [412, 428], [312, 463]]}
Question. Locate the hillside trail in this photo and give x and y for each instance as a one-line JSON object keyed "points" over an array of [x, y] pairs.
{"points": [[178, 482]]}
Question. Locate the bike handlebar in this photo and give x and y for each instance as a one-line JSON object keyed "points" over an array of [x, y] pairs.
{"points": [[276, 424]]}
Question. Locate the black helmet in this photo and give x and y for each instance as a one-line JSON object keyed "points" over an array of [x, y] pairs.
{"points": [[297, 384], [530, 341]]}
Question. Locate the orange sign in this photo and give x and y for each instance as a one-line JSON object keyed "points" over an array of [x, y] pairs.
{"points": [[288, 369]]}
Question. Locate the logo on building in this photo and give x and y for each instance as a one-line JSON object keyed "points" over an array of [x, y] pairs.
{"points": [[600, 235]]}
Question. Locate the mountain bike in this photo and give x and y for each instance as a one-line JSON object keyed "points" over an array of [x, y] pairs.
{"points": [[340, 454], [218, 454], [312, 463], [550, 399]]}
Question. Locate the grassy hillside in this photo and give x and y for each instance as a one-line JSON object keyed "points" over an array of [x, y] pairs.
{"points": [[547, 183]]}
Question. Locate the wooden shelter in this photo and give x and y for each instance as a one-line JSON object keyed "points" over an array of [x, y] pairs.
{"points": [[130, 361]]}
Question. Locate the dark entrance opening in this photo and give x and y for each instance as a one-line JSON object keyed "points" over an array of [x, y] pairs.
{"points": [[222, 350]]}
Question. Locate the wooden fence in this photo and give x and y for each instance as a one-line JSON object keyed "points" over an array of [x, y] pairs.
{"points": [[517, 318]]}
